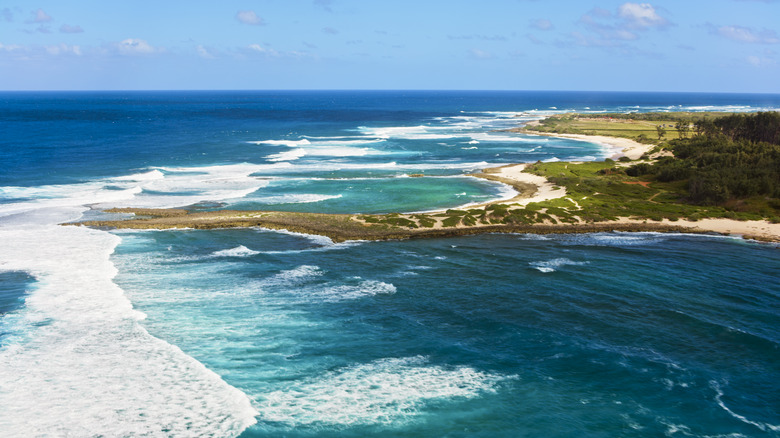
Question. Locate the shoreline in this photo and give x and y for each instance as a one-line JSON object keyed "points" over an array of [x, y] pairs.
{"points": [[619, 147], [531, 188], [341, 228]]}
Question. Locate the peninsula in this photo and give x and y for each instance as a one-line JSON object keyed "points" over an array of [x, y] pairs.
{"points": [[646, 186]]}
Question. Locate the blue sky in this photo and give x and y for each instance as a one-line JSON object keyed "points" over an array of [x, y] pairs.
{"points": [[681, 45]]}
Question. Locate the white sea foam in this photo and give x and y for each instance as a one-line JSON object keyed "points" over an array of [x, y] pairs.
{"points": [[342, 151], [385, 391], [760, 425], [363, 289], [287, 155], [487, 137], [322, 141], [159, 188], [344, 141], [305, 283], [322, 241], [412, 132], [85, 366], [78, 362], [288, 143], [323, 147], [190, 185], [300, 274], [52, 197], [553, 265], [250, 171], [295, 198], [618, 238], [323, 151], [239, 251], [145, 176]]}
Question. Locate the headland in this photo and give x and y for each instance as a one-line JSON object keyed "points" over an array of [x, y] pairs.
{"points": [[555, 197]]}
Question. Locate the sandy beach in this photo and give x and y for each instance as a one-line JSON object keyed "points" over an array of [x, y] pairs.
{"points": [[530, 187], [620, 147], [512, 174], [759, 230], [617, 147]]}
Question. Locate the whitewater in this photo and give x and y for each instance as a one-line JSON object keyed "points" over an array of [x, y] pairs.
{"points": [[263, 333]]}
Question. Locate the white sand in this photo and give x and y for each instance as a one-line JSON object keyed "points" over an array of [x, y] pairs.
{"points": [[545, 190], [620, 147], [761, 229]]}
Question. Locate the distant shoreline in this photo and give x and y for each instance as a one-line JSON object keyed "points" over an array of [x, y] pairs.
{"points": [[531, 188]]}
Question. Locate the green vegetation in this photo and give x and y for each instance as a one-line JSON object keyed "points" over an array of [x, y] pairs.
{"points": [[644, 128], [723, 167], [733, 161], [598, 192]]}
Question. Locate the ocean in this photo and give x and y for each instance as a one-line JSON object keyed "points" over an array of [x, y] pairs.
{"points": [[260, 333]]}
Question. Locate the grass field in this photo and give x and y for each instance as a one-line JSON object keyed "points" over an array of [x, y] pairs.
{"points": [[639, 130]]}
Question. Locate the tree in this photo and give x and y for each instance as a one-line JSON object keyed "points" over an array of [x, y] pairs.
{"points": [[661, 131], [682, 127]]}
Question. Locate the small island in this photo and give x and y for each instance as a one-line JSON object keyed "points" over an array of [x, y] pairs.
{"points": [[670, 172]]}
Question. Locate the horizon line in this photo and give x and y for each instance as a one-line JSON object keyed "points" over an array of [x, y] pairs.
{"points": [[182, 90]]}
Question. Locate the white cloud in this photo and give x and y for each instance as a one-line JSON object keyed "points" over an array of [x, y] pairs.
{"points": [[204, 52], [542, 24], [63, 49], [66, 28], [10, 48], [625, 35], [534, 39], [641, 15], [480, 54], [478, 37], [614, 30], [134, 46], [40, 17], [257, 48], [758, 61], [250, 18], [746, 35], [324, 4]]}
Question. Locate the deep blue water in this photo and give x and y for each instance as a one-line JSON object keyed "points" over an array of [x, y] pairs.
{"points": [[610, 334]]}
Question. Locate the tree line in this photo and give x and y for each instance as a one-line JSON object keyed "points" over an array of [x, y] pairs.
{"points": [[734, 156]]}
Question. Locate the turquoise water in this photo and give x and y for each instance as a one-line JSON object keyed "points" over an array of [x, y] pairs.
{"points": [[606, 334], [259, 333]]}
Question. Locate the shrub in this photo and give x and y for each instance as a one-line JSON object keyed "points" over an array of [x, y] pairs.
{"points": [[640, 169]]}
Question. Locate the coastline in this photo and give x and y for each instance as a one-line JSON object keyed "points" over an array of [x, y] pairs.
{"points": [[340, 228], [618, 147], [531, 188]]}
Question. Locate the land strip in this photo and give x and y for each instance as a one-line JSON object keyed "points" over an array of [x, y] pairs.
{"points": [[552, 198]]}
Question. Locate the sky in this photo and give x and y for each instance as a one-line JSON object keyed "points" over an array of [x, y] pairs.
{"points": [[590, 45]]}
